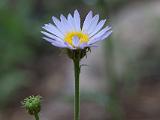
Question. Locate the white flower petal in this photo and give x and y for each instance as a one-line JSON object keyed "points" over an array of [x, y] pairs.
{"points": [[83, 45], [77, 20], [107, 34], [93, 24], [104, 36], [58, 45], [58, 24], [55, 43], [52, 29], [87, 21], [65, 24], [51, 36], [94, 46], [100, 33], [75, 41], [68, 45], [71, 22], [49, 40], [98, 27]]}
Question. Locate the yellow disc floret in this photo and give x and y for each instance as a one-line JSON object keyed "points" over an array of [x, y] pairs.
{"points": [[83, 38]]}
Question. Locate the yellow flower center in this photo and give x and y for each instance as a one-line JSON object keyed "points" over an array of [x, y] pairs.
{"points": [[83, 38]]}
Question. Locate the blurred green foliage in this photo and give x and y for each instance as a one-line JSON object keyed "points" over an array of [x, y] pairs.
{"points": [[18, 35]]}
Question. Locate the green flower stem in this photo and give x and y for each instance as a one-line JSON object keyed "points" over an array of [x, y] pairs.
{"points": [[36, 116], [77, 93]]}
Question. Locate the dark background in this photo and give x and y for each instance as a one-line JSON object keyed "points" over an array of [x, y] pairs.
{"points": [[121, 81]]}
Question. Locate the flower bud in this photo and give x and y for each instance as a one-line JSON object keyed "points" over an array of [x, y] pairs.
{"points": [[32, 104]]}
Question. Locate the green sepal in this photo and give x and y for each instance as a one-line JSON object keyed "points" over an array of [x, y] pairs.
{"points": [[78, 54]]}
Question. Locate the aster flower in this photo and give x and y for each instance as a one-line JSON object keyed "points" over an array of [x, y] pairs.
{"points": [[68, 33]]}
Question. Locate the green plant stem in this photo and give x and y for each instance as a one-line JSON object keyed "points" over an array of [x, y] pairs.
{"points": [[36, 116], [77, 93]]}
